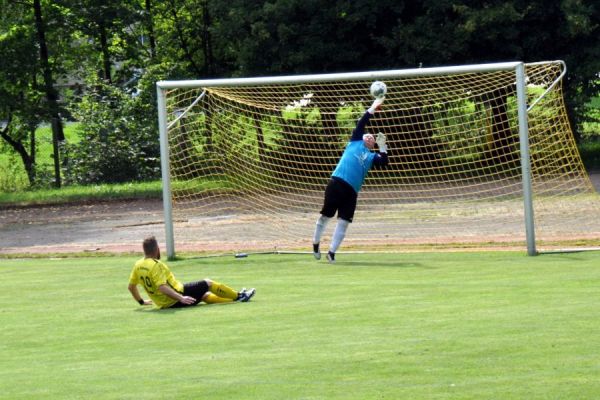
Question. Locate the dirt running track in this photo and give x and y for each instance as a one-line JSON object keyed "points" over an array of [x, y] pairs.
{"points": [[115, 227], [100, 227]]}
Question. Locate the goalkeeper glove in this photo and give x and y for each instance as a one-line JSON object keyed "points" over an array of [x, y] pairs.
{"points": [[381, 143], [376, 105]]}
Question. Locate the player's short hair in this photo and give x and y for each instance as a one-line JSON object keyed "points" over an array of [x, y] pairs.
{"points": [[150, 245]]}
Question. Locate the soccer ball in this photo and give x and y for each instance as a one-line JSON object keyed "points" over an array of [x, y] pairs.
{"points": [[378, 89]]}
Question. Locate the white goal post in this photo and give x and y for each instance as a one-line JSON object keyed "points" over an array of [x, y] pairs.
{"points": [[480, 155]]}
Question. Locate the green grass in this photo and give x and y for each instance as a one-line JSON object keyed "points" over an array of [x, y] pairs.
{"points": [[395, 326], [137, 190], [14, 177]]}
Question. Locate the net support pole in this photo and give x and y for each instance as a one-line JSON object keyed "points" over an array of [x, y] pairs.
{"points": [[525, 159], [165, 168]]}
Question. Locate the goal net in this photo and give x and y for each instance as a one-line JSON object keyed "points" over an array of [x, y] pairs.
{"points": [[246, 161]]}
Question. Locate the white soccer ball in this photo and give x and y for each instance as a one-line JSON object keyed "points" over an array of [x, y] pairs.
{"points": [[378, 89]]}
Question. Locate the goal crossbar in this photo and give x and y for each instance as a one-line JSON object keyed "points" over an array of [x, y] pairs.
{"points": [[346, 76]]}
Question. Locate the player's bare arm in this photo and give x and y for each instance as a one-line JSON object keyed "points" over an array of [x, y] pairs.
{"points": [[136, 295], [166, 289]]}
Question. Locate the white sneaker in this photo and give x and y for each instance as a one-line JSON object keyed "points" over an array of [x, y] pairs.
{"points": [[247, 295]]}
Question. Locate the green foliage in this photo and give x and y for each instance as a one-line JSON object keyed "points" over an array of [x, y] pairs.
{"points": [[133, 44], [299, 36], [119, 139], [13, 177], [298, 145], [590, 154], [590, 130]]}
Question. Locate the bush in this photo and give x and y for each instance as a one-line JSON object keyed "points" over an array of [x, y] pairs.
{"points": [[590, 154], [119, 138]]}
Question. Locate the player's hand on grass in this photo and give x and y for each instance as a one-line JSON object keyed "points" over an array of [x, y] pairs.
{"points": [[187, 300], [148, 302]]}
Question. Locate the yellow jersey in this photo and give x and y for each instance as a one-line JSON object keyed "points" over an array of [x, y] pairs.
{"points": [[152, 273]]}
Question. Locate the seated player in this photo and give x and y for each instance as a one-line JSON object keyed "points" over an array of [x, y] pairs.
{"points": [[167, 292]]}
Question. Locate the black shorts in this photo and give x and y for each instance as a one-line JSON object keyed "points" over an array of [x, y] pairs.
{"points": [[340, 197], [194, 289]]}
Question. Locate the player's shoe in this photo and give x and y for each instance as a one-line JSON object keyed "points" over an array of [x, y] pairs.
{"points": [[316, 251], [240, 295], [247, 295], [331, 257]]}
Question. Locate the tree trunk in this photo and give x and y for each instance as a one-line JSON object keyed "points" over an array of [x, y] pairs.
{"points": [[206, 40], [105, 54], [150, 27], [182, 40], [19, 147], [504, 149], [32, 174], [260, 137], [55, 146], [420, 153], [51, 94]]}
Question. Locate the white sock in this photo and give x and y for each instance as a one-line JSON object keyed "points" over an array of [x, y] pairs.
{"points": [[338, 234], [320, 228]]}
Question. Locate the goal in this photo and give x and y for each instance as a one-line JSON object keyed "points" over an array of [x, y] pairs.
{"points": [[480, 156]]}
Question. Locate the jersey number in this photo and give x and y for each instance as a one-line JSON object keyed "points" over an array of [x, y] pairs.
{"points": [[147, 283]]}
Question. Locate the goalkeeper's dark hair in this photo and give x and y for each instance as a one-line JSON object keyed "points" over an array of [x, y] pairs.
{"points": [[150, 245]]}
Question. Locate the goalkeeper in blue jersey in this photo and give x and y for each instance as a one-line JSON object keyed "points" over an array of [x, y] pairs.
{"points": [[347, 179]]}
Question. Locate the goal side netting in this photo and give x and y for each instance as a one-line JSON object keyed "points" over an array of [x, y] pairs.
{"points": [[246, 161]]}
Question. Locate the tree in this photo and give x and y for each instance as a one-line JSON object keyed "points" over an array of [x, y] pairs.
{"points": [[124, 42], [149, 14], [184, 36], [51, 93], [445, 32], [26, 59], [109, 27], [119, 136], [303, 36], [574, 39]]}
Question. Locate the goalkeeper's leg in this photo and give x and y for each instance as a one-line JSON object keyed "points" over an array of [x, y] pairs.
{"points": [[338, 237], [319, 229], [345, 216]]}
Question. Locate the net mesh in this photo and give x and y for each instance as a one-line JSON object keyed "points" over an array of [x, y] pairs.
{"points": [[249, 164]]}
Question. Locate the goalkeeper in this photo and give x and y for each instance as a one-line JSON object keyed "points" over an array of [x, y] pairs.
{"points": [[167, 292], [346, 180]]}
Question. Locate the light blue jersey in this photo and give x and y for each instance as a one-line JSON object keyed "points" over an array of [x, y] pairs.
{"points": [[354, 164]]}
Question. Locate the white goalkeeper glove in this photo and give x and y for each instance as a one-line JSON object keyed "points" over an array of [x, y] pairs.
{"points": [[376, 105], [380, 140]]}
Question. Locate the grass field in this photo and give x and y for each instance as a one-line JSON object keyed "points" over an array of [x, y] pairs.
{"points": [[14, 177], [78, 193], [496, 325]]}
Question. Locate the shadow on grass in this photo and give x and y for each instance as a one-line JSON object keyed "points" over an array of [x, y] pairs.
{"points": [[152, 309], [379, 264]]}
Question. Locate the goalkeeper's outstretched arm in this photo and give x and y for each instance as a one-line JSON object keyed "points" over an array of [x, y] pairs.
{"points": [[359, 131]]}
